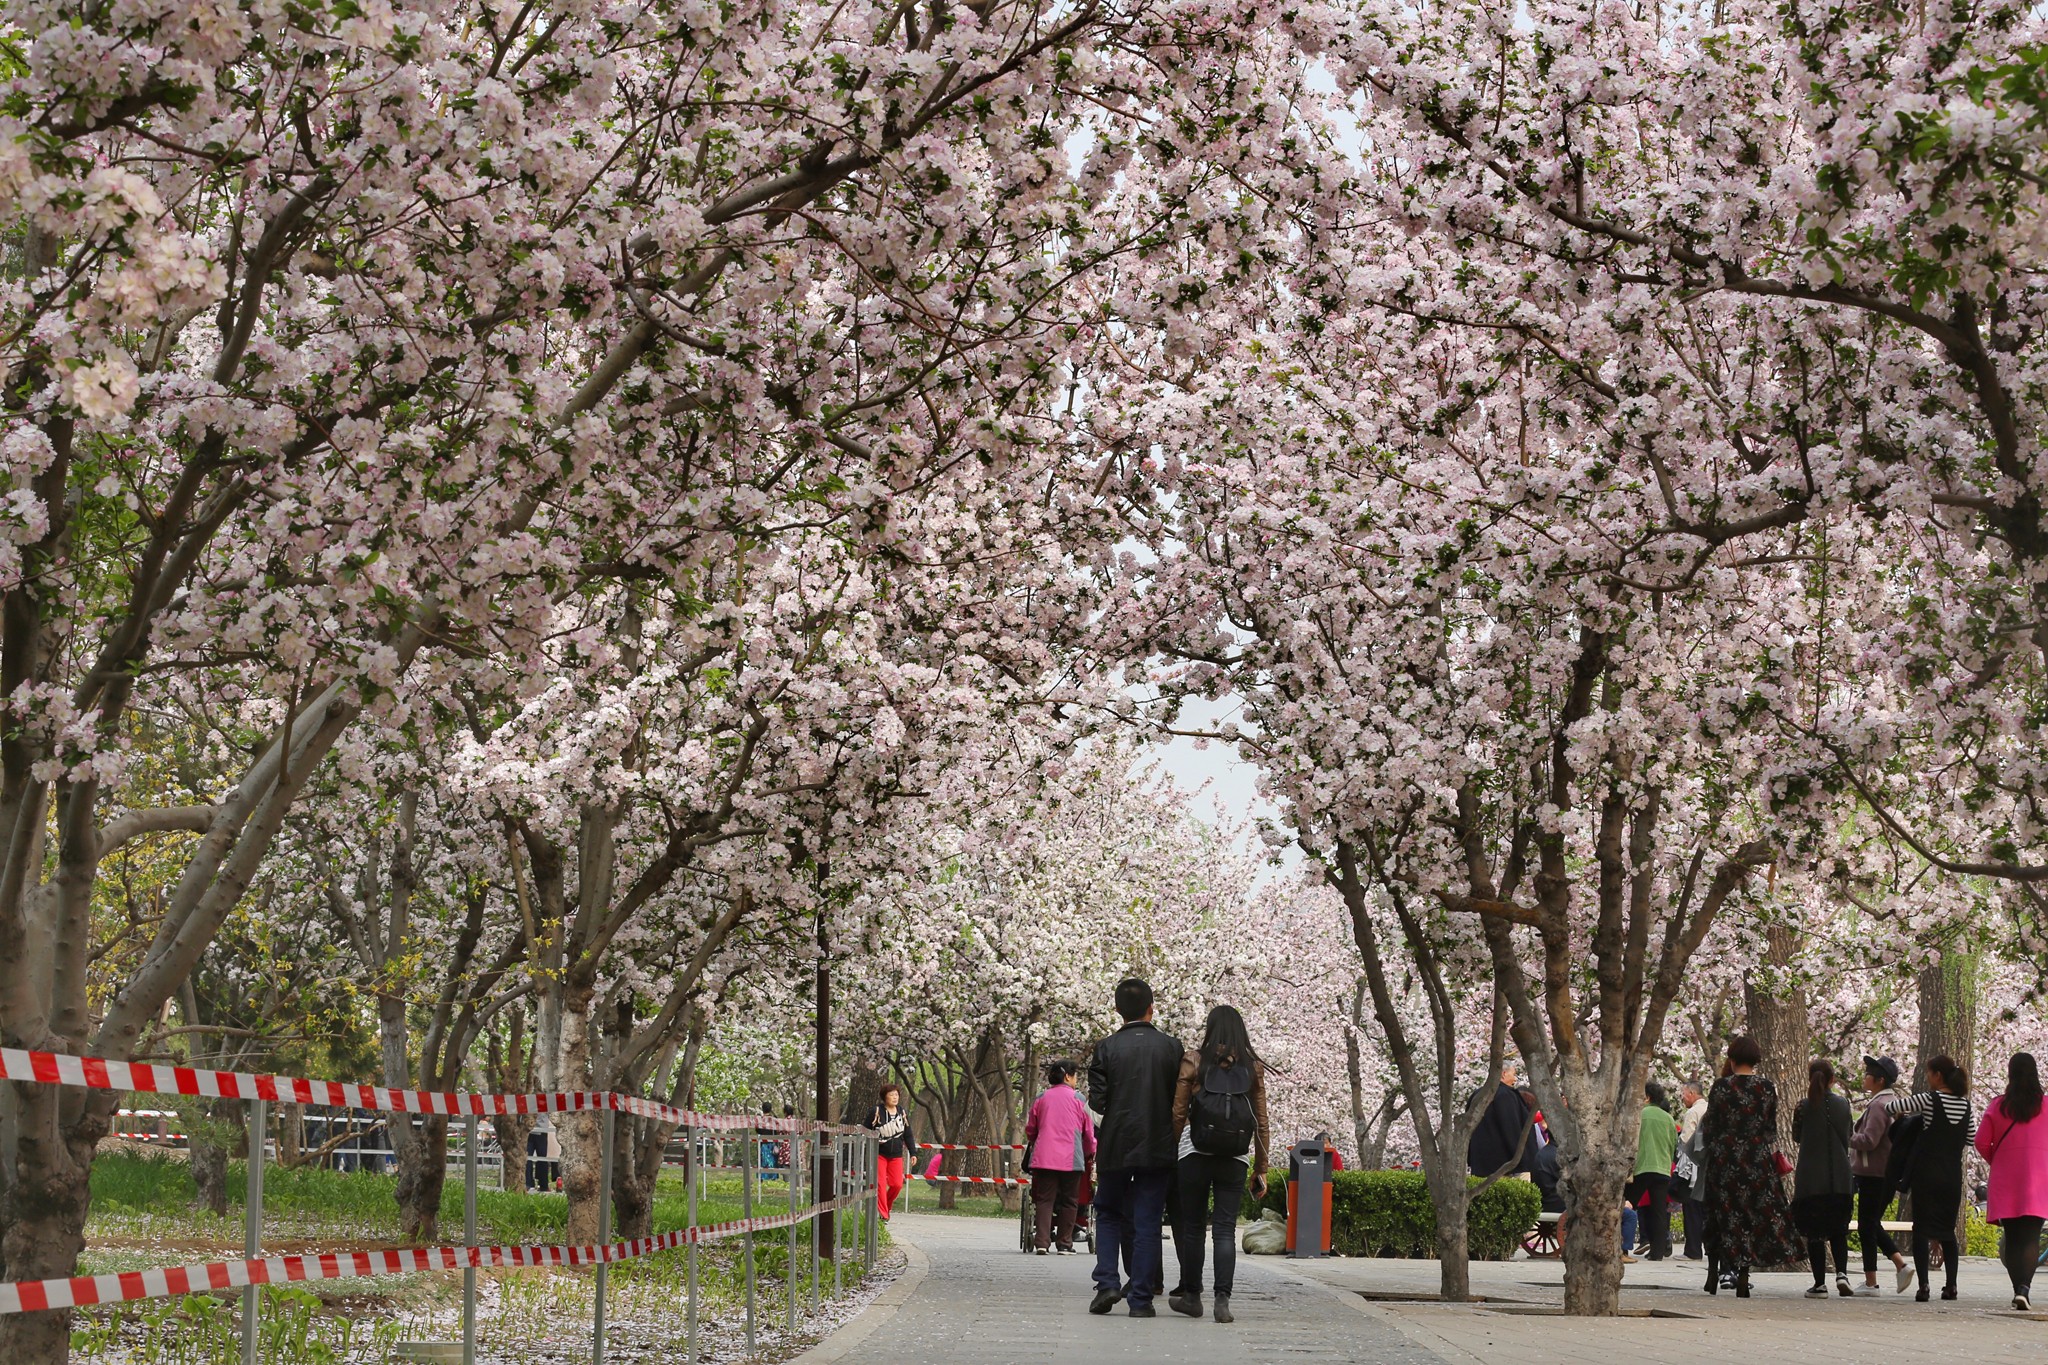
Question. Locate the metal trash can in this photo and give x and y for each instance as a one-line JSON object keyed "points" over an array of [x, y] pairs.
{"points": [[1308, 1199]]}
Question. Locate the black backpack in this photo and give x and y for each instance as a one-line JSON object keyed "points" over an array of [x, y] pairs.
{"points": [[1905, 1140], [1221, 1116]]}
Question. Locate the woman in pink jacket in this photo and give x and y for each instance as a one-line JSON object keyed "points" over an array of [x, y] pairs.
{"points": [[1059, 1142], [2014, 1138]]}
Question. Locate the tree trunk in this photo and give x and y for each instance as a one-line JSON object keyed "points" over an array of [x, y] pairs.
{"points": [[212, 1136], [1592, 1185], [1778, 1022], [1451, 1195], [44, 1205], [422, 1170], [291, 1136], [1948, 1024], [636, 1165], [513, 1130]]}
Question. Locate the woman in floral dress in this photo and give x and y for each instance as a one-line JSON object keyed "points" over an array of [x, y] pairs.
{"points": [[1748, 1221]]}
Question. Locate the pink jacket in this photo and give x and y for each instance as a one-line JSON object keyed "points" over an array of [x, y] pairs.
{"points": [[1059, 1135], [2018, 1153]]}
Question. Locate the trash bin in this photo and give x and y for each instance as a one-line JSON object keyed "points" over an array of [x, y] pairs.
{"points": [[1308, 1199]]}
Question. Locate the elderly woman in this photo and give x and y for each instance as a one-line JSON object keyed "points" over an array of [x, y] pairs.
{"points": [[1748, 1223]]}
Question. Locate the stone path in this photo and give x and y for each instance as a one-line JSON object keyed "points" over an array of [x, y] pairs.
{"points": [[982, 1302], [1671, 1320]]}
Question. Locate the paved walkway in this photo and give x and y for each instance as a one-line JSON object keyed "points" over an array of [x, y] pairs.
{"points": [[1670, 1319], [983, 1302]]}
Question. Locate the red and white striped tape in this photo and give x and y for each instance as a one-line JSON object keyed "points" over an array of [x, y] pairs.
{"points": [[98, 1073], [29, 1296], [151, 1137], [977, 1179], [970, 1146]]}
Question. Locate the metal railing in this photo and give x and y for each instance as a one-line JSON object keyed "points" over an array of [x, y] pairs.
{"points": [[854, 1196]]}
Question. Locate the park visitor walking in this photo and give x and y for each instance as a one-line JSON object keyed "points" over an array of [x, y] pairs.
{"points": [[1823, 1190], [1687, 1184], [1219, 1116], [1870, 1154], [1656, 1153], [2013, 1138], [1935, 1175], [1131, 1078], [1747, 1221], [891, 1123], [1059, 1144]]}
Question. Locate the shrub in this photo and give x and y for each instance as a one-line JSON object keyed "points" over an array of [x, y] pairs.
{"points": [[1389, 1213]]}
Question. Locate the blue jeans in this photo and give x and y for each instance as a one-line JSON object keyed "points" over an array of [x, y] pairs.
{"points": [[1129, 1205], [1628, 1228]]}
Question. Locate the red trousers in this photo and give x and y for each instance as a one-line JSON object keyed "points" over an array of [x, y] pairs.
{"points": [[889, 1181]]}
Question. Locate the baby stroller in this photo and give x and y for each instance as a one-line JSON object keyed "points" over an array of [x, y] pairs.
{"points": [[1084, 1226]]}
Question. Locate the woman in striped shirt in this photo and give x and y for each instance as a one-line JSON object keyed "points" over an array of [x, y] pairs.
{"points": [[1936, 1175]]}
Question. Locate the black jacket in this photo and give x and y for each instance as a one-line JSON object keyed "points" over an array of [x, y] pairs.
{"points": [[1130, 1083], [903, 1143], [1499, 1132]]}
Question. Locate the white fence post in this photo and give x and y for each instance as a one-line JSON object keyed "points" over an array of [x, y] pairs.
{"points": [[252, 1237], [604, 1234], [469, 1155]]}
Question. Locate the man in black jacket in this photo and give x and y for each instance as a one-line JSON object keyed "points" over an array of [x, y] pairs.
{"points": [[1130, 1083], [1502, 1138]]}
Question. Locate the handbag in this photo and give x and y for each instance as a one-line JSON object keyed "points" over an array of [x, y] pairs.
{"points": [[1782, 1162]]}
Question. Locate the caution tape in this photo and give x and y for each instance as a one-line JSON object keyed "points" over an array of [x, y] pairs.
{"points": [[80, 1291], [99, 1073], [151, 1137], [970, 1146], [977, 1179]]}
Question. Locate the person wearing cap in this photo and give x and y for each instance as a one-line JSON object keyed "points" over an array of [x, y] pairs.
{"points": [[1870, 1149]]}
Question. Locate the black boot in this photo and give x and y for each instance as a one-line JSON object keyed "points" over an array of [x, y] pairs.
{"points": [[1188, 1301], [1223, 1308], [1742, 1284]]}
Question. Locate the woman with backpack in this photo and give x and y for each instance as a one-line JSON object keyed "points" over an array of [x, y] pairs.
{"points": [[891, 1123], [1933, 1172], [2014, 1139], [1219, 1114]]}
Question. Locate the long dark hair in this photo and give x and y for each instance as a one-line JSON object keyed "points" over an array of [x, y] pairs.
{"points": [[1820, 1079], [1225, 1041], [1953, 1078], [2022, 1088]]}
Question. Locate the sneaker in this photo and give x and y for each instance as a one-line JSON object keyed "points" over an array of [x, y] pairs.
{"points": [[1905, 1278], [1818, 1291], [1223, 1308], [2019, 1302], [1188, 1303], [1870, 1289], [1104, 1300], [1147, 1311], [1064, 1251], [1842, 1287], [1044, 1251]]}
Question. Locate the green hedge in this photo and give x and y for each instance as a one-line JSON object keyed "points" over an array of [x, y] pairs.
{"points": [[1389, 1213]]}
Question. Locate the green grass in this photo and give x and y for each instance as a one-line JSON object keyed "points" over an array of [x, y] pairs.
{"points": [[143, 1216], [922, 1200], [150, 1197]]}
